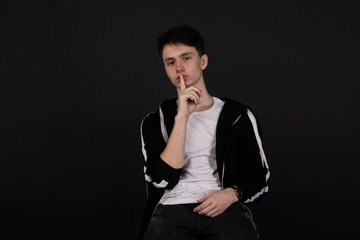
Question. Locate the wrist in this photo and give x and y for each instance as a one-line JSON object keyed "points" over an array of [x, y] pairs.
{"points": [[180, 117], [232, 193], [237, 192]]}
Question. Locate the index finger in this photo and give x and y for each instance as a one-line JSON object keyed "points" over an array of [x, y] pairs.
{"points": [[182, 83]]}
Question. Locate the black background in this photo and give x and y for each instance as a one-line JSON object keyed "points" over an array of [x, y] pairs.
{"points": [[77, 78]]}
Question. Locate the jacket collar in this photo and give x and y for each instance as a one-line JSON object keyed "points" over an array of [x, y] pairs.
{"points": [[230, 112]]}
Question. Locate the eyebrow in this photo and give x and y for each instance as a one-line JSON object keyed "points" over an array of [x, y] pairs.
{"points": [[181, 55]]}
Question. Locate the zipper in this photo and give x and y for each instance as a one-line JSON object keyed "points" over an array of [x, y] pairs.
{"points": [[236, 120], [222, 177]]}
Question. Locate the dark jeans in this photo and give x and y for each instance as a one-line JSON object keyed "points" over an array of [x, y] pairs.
{"points": [[180, 222]]}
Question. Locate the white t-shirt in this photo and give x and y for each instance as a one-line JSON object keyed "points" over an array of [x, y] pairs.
{"points": [[200, 175]]}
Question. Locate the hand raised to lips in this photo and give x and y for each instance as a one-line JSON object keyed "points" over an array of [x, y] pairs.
{"points": [[188, 98]]}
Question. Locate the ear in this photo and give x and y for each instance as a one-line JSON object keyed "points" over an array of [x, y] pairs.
{"points": [[204, 61]]}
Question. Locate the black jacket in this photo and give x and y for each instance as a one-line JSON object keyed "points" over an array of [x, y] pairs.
{"points": [[239, 153]]}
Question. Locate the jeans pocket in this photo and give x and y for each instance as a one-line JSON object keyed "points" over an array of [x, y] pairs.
{"points": [[248, 214]]}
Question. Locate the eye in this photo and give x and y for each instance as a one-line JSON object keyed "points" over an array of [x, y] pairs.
{"points": [[170, 63], [187, 58]]}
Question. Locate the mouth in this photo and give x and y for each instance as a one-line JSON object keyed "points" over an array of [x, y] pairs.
{"points": [[184, 76]]}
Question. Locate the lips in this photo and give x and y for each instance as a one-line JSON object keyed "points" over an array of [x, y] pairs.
{"points": [[184, 76]]}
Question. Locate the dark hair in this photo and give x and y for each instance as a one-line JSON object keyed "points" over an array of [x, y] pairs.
{"points": [[183, 34]]}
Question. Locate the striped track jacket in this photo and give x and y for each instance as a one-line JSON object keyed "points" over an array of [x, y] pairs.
{"points": [[239, 153]]}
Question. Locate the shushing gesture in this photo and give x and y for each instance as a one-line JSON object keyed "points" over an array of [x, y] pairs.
{"points": [[188, 98]]}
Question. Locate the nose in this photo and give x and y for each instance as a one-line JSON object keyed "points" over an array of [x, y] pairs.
{"points": [[179, 67]]}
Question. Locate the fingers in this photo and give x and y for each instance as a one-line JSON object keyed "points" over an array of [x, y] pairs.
{"points": [[204, 208], [183, 86], [192, 96], [215, 212], [194, 89], [205, 197], [191, 93], [204, 204], [210, 210], [182, 83], [213, 204]]}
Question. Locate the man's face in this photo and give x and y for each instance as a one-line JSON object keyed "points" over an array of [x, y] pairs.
{"points": [[181, 59]]}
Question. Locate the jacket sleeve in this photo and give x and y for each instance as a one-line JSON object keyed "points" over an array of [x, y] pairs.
{"points": [[156, 171], [253, 169]]}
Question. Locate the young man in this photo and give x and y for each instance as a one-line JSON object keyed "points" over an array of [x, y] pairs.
{"points": [[203, 155]]}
